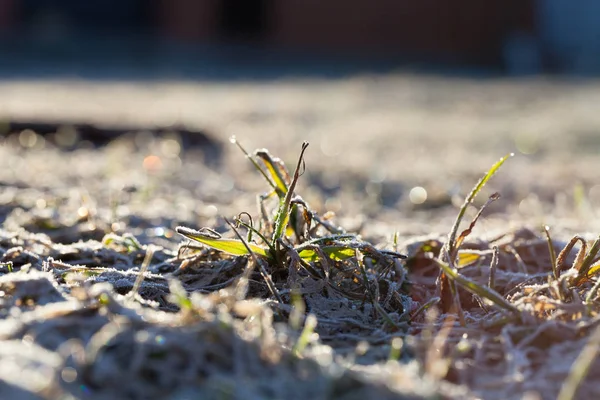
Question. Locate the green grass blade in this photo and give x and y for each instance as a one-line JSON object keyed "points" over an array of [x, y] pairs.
{"points": [[469, 200], [593, 270], [229, 246], [257, 233], [324, 240], [242, 288], [234, 140], [475, 288], [306, 336], [467, 232], [275, 168], [336, 253], [588, 260], [487, 177], [466, 258], [283, 212]]}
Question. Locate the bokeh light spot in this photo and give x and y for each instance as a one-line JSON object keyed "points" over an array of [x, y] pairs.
{"points": [[152, 163], [418, 195]]}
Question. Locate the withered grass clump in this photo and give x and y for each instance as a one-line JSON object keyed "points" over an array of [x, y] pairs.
{"points": [[298, 254]]}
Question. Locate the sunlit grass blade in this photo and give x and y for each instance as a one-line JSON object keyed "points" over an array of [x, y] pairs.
{"points": [[593, 270], [336, 253], [332, 238], [306, 336], [242, 289], [588, 260], [229, 246], [487, 177], [283, 212], [469, 200], [258, 233], [475, 288], [467, 232], [145, 264], [466, 258], [448, 290], [234, 140], [276, 169]]}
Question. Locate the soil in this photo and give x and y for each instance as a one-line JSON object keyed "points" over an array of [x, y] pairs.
{"points": [[94, 174]]}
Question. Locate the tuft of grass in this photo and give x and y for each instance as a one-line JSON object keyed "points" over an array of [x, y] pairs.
{"points": [[449, 257], [453, 242], [292, 234]]}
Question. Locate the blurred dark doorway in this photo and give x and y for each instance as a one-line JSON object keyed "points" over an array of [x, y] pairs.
{"points": [[243, 20]]}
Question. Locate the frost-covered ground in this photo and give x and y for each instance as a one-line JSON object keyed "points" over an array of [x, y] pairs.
{"points": [[373, 139]]}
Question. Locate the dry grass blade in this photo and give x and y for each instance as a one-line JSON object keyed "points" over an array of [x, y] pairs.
{"points": [[284, 208], [143, 269], [463, 235], [552, 252], [588, 261], [493, 266], [562, 256]]}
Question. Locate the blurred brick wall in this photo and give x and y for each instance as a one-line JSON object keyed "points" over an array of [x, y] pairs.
{"points": [[188, 19], [7, 15], [466, 29]]}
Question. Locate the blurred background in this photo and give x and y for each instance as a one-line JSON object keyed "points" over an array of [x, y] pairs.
{"points": [[405, 103], [511, 36]]}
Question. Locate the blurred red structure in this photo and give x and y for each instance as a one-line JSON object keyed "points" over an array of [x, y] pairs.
{"points": [[463, 30], [187, 19], [7, 14], [466, 30]]}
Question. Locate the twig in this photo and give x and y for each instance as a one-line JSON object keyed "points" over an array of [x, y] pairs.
{"points": [[143, 269]]}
